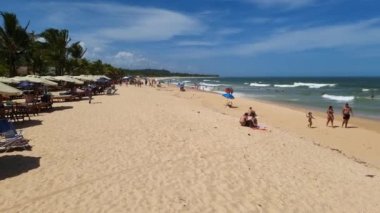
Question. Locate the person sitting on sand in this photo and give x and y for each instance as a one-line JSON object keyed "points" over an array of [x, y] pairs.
{"points": [[346, 111], [245, 120], [309, 118], [330, 116], [253, 120]]}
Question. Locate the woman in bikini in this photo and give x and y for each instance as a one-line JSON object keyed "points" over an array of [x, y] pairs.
{"points": [[330, 116]]}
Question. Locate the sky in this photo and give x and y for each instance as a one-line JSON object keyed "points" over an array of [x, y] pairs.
{"points": [[225, 37]]}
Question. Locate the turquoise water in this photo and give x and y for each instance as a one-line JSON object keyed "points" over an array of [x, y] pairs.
{"points": [[362, 93]]}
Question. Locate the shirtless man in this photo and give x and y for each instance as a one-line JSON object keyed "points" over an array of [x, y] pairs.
{"points": [[243, 119], [346, 111]]}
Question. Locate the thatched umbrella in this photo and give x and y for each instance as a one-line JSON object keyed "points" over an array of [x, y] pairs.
{"points": [[36, 79], [69, 79], [6, 90], [8, 80], [48, 77]]}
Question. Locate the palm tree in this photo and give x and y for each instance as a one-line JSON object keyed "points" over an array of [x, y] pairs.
{"points": [[14, 41], [57, 42], [35, 55], [76, 52]]}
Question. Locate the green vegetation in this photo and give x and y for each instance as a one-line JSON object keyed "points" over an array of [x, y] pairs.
{"points": [[52, 53]]}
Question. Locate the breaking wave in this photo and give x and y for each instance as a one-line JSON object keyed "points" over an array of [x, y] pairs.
{"points": [[258, 85], [301, 84], [338, 98]]}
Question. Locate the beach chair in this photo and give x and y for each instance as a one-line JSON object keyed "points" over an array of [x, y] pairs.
{"points": [[13, 140]]}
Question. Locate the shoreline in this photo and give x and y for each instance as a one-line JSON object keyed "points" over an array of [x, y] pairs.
{"points": [[374, 123], [361, 111], [158, 149], [345, 144]]}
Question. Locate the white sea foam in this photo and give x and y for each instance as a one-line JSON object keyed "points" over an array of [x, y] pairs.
{"points": [[238, 94], [258, 85], [186, 81], [365, 90], [205, 88], [206, 80], [338, 98], [285, 85], [246, 83], [210, 85], [302, 84]]}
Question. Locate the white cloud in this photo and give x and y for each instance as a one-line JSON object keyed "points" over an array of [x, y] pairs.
{"points": [[130, 23], [283, 3], [128, 59], [336, 36]]}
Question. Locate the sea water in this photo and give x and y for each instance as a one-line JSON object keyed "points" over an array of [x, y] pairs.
{"points": [[362, 93]]}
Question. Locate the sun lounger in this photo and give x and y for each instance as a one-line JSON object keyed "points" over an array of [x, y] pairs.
{"points": [[12, 140], [63, 98]]}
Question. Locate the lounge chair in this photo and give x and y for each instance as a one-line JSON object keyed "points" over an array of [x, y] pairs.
{"points": [[13, 140]]}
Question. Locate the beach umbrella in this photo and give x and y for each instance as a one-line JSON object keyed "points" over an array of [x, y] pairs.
{"points": [[85, 77], [228, 96], [229, 90], [7, 90], [102, 80], [103, 76], [36, 79], [50, 78], [68, 79], [25, 85], [8, 80]]}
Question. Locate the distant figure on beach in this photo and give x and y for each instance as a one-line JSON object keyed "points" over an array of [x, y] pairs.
{"points": [[346, 111], [251, 111], [252, 119], [310, 119], [330, 116], [89, 93], [243, 119], [246, 120]]}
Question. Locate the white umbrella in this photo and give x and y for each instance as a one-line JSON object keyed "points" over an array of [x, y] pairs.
{"points": [[102, 76], [50, 78], [86, 77], [69, 79], [36, 79], [8, 80], [7, 90]]}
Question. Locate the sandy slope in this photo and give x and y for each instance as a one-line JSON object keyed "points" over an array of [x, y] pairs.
{"points": [[159, 150]]}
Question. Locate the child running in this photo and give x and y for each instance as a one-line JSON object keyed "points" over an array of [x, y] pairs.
{"points": [[310, 117]]}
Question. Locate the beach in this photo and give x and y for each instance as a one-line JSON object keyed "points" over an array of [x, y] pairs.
{"points": [[161, 150]]}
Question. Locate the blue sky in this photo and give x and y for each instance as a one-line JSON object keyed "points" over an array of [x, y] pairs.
{"points": [[226, 37]]}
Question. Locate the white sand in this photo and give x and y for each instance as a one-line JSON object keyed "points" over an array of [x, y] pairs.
{"points": [[149, 150]]}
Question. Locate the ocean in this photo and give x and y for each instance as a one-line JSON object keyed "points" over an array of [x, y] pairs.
{"points": [[362, 93]]}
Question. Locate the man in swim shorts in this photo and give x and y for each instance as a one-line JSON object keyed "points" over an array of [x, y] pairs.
{"points": [[346, 111]]}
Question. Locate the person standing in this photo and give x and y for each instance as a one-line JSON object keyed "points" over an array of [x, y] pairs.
{"points": [[330, 116], [310, 119], [346, 111], [89, 91]]}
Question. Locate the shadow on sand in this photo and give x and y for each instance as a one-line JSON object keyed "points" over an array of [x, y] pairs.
{"points": [[60, 108], [232, 107], [27, 123], [14, 165]]}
